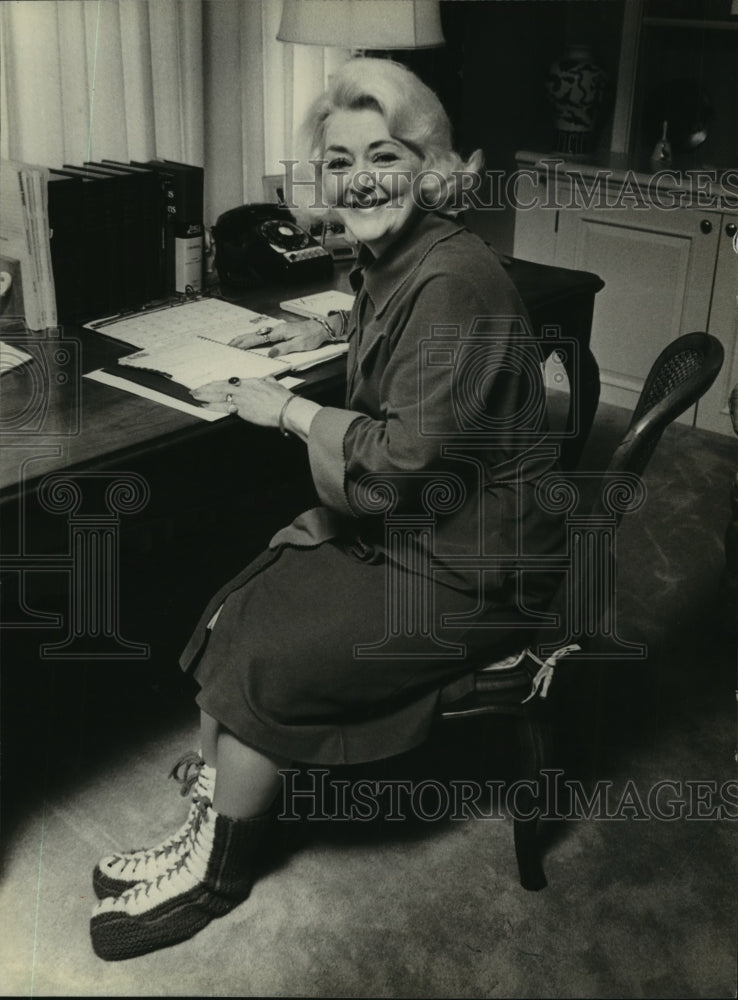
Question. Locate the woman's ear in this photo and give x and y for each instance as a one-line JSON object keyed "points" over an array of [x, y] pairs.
{"points": [[475, 162], [432, 192]]}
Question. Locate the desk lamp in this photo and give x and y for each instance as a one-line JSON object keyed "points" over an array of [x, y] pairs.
{"points": [[363, 25]]}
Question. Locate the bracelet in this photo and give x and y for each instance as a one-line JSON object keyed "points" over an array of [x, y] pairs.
{"points": [[326, 326], [282, 430], [344, 322]]}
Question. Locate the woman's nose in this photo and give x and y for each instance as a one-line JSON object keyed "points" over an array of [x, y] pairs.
{"points": [[361, 184]]}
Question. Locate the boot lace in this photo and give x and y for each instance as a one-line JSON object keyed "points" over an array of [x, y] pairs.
{"points": [[171, 846], [187, 770], [182, 863]]}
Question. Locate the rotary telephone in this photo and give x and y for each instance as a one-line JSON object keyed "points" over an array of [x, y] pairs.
{"points": [[262, 244]]}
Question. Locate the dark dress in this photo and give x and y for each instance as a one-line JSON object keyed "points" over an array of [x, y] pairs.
{"points": [[430, 550]]}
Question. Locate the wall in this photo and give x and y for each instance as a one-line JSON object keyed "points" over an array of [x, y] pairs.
{"points": [[502, 50]]}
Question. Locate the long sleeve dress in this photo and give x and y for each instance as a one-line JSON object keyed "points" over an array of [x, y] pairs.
{"points": [[433, 545]]}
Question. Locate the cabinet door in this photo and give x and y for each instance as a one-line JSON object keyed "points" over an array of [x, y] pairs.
{"points": [[658, 267], [712, 409]]}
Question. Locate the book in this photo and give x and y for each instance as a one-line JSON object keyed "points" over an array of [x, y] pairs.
{"points": [[26, 272], [190, 343], [318, 305]]}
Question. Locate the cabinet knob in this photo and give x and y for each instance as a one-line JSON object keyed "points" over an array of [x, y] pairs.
{"points": [[706, 226], [731, 229]]}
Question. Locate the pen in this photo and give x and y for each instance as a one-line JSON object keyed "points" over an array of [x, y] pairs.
{"points": [[127, 313]]}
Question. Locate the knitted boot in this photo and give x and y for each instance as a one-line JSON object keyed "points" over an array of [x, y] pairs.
{"points": [[117, 872], [207, 882]]}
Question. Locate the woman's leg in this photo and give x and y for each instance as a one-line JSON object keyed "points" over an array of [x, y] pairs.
{"points": [[247, 781], [209, 729]]}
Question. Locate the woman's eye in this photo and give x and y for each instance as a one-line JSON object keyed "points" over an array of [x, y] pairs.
{"points": [[338, 163], [387, 157]]}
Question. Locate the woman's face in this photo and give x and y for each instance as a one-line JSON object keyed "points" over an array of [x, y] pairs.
{"points": [[368, 177]]}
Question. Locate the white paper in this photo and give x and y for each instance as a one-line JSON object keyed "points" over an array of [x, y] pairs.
{"points": [[172, 326], [11, 357], [201, 361], [319, 304], [157, 397]]}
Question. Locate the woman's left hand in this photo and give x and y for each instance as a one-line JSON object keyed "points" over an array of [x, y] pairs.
{"points": [[258, 400]]}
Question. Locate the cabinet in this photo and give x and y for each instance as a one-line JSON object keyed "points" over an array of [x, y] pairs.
{"points": [[679, 64], [713, 413], [666, 271]]}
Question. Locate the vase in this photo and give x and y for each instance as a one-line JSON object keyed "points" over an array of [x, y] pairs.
{"points": [[576, 88]]}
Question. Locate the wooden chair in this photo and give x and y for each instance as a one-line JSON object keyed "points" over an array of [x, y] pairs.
{"points": [[517, 686]]}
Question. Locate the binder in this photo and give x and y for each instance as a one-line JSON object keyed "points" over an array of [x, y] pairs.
{"points": [[125, 215], [97, 278], [168, 212], [188, 185], [145, 197], [161, 201], [65, 213], [113, 203]]}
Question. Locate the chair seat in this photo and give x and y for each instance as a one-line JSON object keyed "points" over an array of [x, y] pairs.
{"points": [[502, 686]]}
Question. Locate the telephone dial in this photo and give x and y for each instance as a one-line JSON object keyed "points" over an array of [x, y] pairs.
{"points": [[259, 244]]}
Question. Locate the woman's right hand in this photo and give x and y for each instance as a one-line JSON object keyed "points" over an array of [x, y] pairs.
{"points": [[302, 335]]}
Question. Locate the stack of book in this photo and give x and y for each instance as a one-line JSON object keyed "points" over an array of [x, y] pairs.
{"points": [[124, 235], [26, 278]]}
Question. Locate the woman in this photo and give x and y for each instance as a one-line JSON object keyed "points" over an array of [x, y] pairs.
{"points": [[314, 654]]}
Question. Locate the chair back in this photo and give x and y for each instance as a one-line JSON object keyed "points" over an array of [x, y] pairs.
{"points": [[679, 376], [586, 600]]}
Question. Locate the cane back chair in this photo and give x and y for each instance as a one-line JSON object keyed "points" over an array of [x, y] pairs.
{"points": [[517, 686]]}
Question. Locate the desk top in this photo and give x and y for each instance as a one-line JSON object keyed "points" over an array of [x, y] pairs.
{"points": [[53, 419]]}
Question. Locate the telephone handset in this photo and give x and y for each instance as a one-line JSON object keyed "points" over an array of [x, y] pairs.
{"points": [[258, 244]]}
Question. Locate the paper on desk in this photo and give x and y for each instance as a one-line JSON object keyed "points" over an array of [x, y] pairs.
{"points": [[11, 357], [172, 325], [299, 361], [203, 412], [157, 397], [201, 361]]}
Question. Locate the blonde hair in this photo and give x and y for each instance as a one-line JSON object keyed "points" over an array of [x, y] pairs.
{"points": [[413, 113]]}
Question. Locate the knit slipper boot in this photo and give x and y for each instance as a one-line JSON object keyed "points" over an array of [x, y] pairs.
{"points": [[117, 872], [207, 882]]}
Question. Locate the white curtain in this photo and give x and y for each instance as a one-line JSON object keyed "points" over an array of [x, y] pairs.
{"points": [[199, 81]]}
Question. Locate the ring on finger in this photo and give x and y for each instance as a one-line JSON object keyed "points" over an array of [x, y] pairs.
{"points": [[265, 334]]}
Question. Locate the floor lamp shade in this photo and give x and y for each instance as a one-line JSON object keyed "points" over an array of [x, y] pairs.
{"points": [[362, 24]]}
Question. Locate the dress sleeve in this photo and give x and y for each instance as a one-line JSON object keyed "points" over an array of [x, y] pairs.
{"points": [[418, 413]]}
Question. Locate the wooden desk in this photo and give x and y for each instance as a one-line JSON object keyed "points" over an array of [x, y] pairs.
{"points": [[53, 419], [119, 466]]}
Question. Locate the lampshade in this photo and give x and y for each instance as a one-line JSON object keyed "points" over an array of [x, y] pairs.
{"points": [[362, 24]]}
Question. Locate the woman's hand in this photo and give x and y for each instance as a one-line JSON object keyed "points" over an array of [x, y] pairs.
{"points": [[303, 335], [258, 400], [261, 401]]}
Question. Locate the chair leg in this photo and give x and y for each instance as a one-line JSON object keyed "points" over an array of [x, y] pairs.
{"points": [[532, 740]]}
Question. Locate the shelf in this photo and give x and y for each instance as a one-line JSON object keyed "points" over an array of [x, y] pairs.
{"points": [[690, 22]]}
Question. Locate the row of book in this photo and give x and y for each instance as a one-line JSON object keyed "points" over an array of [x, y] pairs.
{"points": [[26, 278], [124, 235]]}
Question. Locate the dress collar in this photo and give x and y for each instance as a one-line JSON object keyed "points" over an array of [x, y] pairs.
{"points": [[383, 276]]}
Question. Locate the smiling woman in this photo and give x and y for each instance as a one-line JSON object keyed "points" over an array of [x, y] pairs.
{"points": [[370, 176], [332, 647]]}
